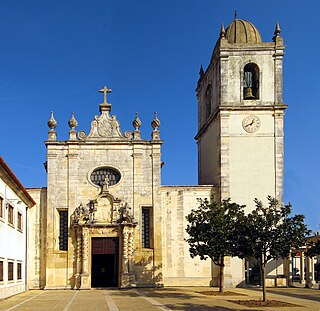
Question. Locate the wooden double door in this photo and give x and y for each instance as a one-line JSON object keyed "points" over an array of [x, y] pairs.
{"points": [[105, 262]]}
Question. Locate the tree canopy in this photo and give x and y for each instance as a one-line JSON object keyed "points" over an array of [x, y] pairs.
{"points": [[270, 233], [314, 248], [212, 232], [220, 229]]}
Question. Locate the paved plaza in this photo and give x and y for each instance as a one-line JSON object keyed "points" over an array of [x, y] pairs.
{"points": [[164, 299]]}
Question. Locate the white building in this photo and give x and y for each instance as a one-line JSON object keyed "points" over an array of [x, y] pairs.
{"points": [[14, 204]]}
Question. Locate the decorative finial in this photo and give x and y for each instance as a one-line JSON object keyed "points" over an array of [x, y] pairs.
{"points": [[235, 14], [277, 30], [136, 122], [222, 31], [52, 123], [155, 122], [105, 91], [73, 123], [201, 72]]}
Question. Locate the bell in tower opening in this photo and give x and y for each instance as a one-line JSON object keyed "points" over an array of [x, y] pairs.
{"points": [[251, 81]]}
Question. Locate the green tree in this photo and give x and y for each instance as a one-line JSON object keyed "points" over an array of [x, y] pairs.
{"points": [[270, 233], [212, 232], [314, 248]]}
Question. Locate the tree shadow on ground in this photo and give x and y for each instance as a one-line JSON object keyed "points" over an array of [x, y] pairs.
{"points": [[154, 293], [307, 296], [189, 306], [172, 293]]}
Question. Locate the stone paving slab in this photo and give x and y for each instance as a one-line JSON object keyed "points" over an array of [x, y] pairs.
{"points": [[164, 299]]}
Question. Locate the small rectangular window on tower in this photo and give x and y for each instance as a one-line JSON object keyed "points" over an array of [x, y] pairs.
{"points": [[63, 237], [146, 221]]}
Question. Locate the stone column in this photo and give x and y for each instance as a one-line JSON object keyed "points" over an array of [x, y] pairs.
{"points": [[302, 280], [125, 279], [157, 221], [309, 279], [288, 269], [125, 252], [312, 271], [278, 58], [130, 250], [78, 257], [224, 156], [279, 151], [85, 259]]}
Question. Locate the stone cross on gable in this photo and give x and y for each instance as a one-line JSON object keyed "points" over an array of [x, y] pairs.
{"points": [[105, 90]]}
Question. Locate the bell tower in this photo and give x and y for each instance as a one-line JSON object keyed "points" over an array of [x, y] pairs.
{"points": [[240, 115]]}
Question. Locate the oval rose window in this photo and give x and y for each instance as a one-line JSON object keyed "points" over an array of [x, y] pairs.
{"points": [[99, 175]]}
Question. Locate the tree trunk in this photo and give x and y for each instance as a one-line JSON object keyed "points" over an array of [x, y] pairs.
{"points": [[221, 275], [263, 278]]}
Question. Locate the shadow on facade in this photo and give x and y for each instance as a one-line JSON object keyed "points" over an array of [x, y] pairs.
{"points": [[148, 274]]}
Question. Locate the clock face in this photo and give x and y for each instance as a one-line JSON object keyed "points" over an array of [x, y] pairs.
{"points": [[251, 123]]}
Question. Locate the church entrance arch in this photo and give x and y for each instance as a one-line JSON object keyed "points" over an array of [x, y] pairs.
{"points": [[105, 262]]}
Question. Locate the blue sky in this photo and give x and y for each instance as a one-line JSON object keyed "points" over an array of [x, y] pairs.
{"points": [[55, 55]]}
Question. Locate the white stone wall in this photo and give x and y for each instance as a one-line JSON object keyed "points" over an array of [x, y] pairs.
{"points": [[251, 159], [179, 269], [37, 238], [209, 145], [12, 242]]}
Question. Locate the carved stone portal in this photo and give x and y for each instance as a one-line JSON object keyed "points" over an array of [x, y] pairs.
{"points": [[103, 217]]}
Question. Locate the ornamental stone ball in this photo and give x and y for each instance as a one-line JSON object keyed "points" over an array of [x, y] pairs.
{"points": [[73, 123], [155, 122], [136, 122], [52, 123]]}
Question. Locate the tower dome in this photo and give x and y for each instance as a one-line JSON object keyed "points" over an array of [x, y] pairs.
{"points": [[242, 32]]}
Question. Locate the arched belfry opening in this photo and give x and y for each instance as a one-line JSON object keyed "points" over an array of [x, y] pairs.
{"points": [[251, 81]]}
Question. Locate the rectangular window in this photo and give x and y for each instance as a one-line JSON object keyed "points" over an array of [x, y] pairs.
{"points": [[1, 207], [1, 271], [10, 214], [63, 238], [19, 270], [19, 223], [10, 271], [146, 227]]}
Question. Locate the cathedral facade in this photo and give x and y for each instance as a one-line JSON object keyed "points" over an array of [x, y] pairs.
{"points": [[105, 220]]}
